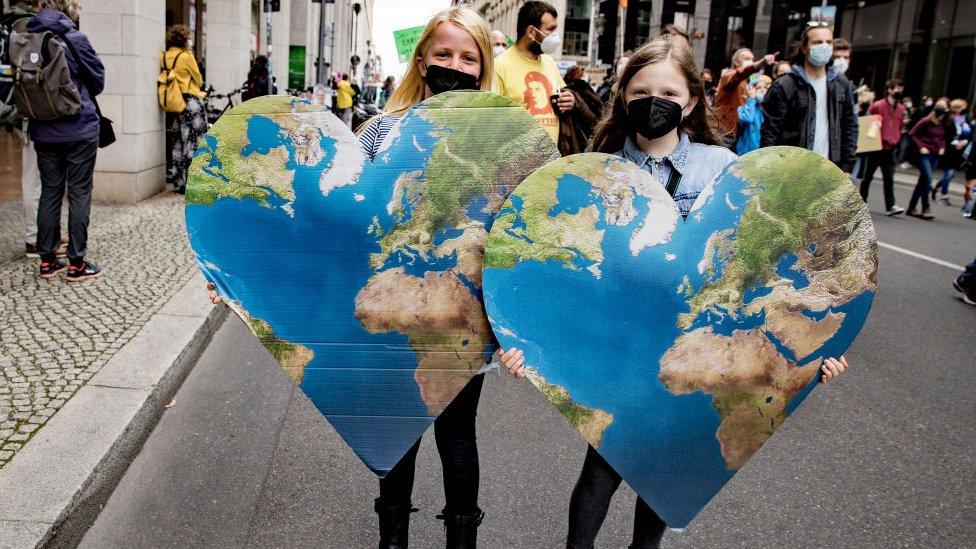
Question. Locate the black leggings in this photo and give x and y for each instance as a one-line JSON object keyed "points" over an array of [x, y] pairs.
{"points": [[458, 446], [591, 499]]}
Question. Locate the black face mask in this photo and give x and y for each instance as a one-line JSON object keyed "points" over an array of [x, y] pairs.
{"points": [[441, 79], [653, 117], [898, 96], [939, 111]]}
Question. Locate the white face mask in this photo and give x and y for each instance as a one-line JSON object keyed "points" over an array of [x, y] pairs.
{"points": [[841, 64], [498, 50], [551, 43], [744, 63]]}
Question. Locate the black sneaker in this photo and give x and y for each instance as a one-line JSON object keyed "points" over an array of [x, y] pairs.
{"points": [[964, 285], [86, 271], [52, 269], [969, 294]]}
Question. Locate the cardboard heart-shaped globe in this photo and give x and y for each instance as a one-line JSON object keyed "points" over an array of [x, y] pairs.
{"points": [[677, 346], [362, 279]]}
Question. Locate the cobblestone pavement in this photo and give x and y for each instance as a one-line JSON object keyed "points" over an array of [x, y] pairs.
{"points": [[54, 335]]}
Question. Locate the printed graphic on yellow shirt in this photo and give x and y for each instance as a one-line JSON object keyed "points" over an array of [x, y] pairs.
{"points": [[538, 90]]}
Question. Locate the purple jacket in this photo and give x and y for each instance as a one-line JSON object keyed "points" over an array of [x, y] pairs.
{"points": [[84, 125]]}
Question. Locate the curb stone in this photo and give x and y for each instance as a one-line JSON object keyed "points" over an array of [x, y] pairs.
{"points": [[54, 487]]}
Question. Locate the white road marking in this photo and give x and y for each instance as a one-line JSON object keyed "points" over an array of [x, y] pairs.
{"points": [[924, 257]]}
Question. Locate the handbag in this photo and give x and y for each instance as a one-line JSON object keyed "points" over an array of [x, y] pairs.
{"points": [[106, 133]]}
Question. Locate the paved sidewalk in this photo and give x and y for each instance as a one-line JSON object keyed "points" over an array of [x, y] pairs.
{"points": [[55, 336]]}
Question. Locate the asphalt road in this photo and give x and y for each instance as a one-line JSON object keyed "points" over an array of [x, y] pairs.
{"points": [[884, 457]]}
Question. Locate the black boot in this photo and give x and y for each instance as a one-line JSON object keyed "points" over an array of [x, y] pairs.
{"points": [[462, 530], [394, 523]]}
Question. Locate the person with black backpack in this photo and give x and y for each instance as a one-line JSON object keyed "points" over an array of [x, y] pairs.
{"points": [[66, 128], [15, 20]]}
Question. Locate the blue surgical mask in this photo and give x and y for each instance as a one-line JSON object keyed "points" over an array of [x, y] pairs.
{"points": [[820, 54], [760, 96]]}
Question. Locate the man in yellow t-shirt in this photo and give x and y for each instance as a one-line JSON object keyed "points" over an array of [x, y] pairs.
{"points": [[344, 94], [527, 74]]}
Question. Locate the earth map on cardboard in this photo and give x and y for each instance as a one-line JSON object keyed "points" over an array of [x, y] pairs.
{"points": [[675, 346], [362, 279]]}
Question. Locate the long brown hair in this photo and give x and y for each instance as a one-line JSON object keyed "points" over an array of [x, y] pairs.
{"points": [[614, 127]]}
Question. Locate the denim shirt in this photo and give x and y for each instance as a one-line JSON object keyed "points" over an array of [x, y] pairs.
{"points": [[697, 163]]}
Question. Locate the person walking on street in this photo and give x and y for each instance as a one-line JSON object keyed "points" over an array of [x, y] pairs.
{"points": [[965, 283], [958, 140], [66, 149], [892, 114], [259, 81], [527, 74], [15, 20], [344, 95], [969, 203], [183, 129], [906, 141], [812, 106], [751, 116], [389, 86], [842, 55], [930, 135], [732, 91], [781, 69], [708, 80], [499, 42]]}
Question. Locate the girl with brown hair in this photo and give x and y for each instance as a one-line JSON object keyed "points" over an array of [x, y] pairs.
{"points": [[659, 119]]}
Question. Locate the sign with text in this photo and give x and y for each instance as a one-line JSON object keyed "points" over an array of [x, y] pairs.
{"points": [[406, 40]]}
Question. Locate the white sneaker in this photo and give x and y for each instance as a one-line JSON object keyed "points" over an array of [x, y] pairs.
{"points": [[895, 210]]}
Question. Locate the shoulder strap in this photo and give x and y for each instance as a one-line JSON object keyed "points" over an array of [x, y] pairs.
{"points": [[175, 59], [81, 72], [673, 181]]}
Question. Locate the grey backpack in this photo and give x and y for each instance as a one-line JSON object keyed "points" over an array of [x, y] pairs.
{"points": [[43, 89]]}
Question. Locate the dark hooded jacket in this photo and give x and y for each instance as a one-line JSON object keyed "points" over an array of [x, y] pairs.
{"points": [[84, 125], [790, 111], [576, 126]]}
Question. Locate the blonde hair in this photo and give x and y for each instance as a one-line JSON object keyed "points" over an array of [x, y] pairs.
{"points": [[411, 89], [958, 104], [58, 5]]}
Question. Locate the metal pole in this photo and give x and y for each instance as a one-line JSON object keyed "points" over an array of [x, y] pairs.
{"points": [[591, 54], [270, 71], [320, 61]]}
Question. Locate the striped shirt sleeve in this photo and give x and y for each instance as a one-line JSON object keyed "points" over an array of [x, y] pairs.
{"points": [[375, 131]]}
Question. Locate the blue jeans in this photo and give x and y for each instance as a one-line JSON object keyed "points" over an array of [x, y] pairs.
{"points": [[944, 182], [926, 164]]}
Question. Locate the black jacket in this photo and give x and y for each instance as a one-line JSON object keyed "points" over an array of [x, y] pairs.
{"points": [[790, 111]]}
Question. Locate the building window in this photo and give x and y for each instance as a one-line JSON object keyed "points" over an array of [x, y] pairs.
{"points": [[734, 39], [576, 36], [576, 43]]}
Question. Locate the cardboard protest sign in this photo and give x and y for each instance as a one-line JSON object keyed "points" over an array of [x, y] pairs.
{"points": [[362, 278], [869, 133], [677, 346]]}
